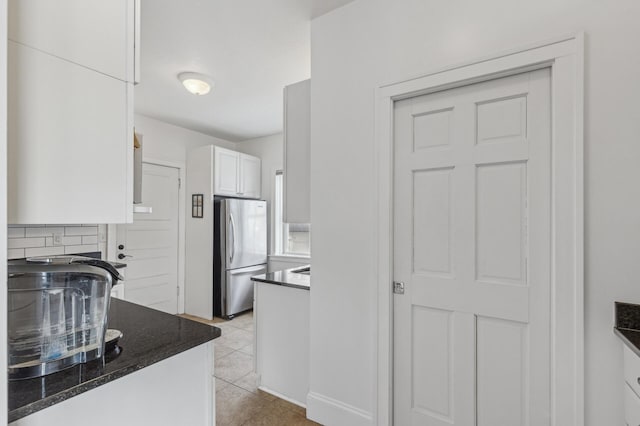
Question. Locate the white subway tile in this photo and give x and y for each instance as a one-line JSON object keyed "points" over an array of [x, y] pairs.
{"points": [[43, 232], [15, 253], [81, 230], [25, 242], [80, 248], [15, 232], [43, 251], [90, 239], [48, 241], [71, 241], [65, 241]]}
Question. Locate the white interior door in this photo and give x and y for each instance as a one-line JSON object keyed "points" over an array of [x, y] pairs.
{"points": [[472, 244], [151, 242]]}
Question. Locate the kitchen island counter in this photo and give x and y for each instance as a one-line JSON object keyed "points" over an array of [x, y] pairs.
{"points": [[149, 336], [287, 278]]}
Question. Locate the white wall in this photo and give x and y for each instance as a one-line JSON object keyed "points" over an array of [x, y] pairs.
{"points": [[270, 150], [164, 141], [370, 42]]}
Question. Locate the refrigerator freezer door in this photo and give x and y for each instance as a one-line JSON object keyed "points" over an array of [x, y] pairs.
{"points": [[246, 233], [239, 289]]}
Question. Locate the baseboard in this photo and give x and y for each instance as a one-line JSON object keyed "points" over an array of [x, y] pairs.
{"points": [[329, 411], [281, 396]]}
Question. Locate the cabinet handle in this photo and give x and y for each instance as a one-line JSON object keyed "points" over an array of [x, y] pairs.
{"points": [[638, 380]]}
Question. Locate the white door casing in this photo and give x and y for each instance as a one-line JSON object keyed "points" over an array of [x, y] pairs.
{"points": [[564, 56], [152, 242], [472, 245]]}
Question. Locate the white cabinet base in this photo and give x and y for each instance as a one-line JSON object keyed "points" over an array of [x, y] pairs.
{"points": [[282, 341]]}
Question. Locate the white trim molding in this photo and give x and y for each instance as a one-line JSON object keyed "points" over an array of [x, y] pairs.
{"points": [[329, 411], [565, 58]]}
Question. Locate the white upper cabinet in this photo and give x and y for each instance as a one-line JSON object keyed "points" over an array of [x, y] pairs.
{"points": [[98, 34], [70, 111], [236, 174], [297, 148], [226, 172], [250, 169], [70, 142]]}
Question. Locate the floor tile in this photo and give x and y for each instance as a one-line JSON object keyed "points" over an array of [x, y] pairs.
{"points": [[235, 406], [291, 406], [236, 339], [233, 366], [221, 350], [245, 322], [276, 415], [226, 327], [220, 384], [247, 349], [249, 382]]}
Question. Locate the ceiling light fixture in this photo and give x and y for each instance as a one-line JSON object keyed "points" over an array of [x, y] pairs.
{"points": [[198, 84]]}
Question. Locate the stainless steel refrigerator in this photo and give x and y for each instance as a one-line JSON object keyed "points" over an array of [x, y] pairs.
{"points": [[239, 251]]}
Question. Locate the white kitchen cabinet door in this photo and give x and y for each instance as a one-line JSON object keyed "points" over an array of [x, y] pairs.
{"points": [[297, 148], [236, 174], [250, 176], [227, 172], [70, 142], [97, 34]]}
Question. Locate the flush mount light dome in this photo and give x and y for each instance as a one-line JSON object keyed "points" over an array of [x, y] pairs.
{"points": [[198, 84]]}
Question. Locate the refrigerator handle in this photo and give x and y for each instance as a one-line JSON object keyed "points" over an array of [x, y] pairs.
{"points": [[232, 227]]}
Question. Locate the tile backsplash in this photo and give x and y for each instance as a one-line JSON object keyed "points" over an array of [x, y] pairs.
{"points": [[47, 240]]}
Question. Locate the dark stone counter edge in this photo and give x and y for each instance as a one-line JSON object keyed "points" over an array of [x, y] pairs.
{"points": [[627, 325], [92, 384], [282, 283], [631, 338], [46, 402]]}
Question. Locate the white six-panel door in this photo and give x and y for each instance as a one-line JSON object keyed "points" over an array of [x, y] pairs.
{"points": [[472, 202]]}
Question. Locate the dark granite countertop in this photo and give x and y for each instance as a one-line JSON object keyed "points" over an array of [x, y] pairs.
{"points": [[627, 326], [149, 336], [287, 278]]}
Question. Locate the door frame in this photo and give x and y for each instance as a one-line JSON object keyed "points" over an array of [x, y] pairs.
{"points": [[565, 58], [112, 231]]}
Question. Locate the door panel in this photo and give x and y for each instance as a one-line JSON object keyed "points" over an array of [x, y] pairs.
{"points": [[501, 222], [472, 245], [433, 363], [502, 372], [151, 241], [432, 233]]}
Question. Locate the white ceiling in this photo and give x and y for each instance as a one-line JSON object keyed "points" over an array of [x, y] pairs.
{"points": [[250, 48]]}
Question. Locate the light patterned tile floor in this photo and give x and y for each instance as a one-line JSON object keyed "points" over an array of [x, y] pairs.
{"points": [[239, 402]]}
